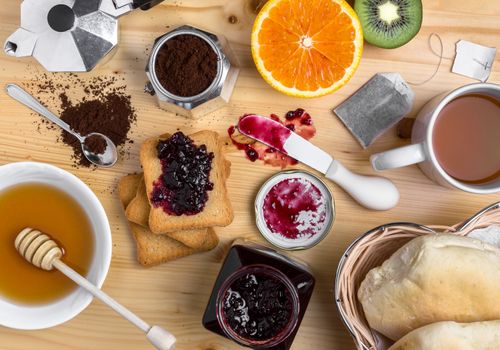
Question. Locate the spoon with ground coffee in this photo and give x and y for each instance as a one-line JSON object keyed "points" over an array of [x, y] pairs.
{"points": [[97, 148]]}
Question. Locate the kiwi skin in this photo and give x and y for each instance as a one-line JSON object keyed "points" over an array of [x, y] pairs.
{"points": [[380, 33]]}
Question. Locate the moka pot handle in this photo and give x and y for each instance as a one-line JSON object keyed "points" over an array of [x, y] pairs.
{"points": [[145, 4]]}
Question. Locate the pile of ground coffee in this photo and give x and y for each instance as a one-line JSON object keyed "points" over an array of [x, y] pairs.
{"points": [[96, 104], [110, 115], [186, 65]]}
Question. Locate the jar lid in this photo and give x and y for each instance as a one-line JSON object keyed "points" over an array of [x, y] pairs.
{"points": [[294, 210]]}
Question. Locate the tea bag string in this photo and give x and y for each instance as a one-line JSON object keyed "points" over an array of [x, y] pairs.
{"points": [[438, 54]]}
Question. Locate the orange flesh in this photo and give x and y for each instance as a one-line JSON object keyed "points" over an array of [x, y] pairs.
{"points": [[309, 51]]}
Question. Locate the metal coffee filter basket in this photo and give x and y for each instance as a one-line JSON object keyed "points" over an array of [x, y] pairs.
{"points": [[216, 96], [371, 250]]}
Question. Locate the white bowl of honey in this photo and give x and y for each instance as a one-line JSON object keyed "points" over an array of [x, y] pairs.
{"points": [[54, 201]]}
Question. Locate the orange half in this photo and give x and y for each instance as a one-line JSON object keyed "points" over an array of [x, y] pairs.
{"points": [[307, 48]]}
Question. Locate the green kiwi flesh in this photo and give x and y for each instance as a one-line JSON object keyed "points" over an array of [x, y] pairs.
{"points": [[389, 23]]}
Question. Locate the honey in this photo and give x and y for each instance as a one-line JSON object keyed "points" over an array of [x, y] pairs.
{"points": [[52, 211]]}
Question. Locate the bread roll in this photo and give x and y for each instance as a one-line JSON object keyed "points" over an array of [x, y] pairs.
{"points": [[431, 279], [452, 336]]}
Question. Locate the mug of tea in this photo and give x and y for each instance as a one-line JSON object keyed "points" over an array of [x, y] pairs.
{"points": [[455, 140]]}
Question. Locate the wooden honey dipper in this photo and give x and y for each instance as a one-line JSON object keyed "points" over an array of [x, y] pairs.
{"points": [[43, 252]]}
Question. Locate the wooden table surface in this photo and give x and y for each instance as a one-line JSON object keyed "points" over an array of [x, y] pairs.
{"points": [[174, 295]]}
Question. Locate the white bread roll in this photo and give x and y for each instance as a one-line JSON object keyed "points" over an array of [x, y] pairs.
{"points": [[431, 279], [452, 336]]}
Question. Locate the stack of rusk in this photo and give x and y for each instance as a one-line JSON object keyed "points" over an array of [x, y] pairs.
{"points": [[161, 237]]}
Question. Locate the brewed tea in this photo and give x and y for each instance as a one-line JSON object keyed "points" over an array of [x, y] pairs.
{"points": [[466, 138], [49, 210]]}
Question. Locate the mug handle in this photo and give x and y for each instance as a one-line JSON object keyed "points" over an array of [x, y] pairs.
{"points": [[399, 157]]}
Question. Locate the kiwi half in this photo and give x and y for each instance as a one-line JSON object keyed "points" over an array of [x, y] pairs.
{"points": [[389, 23]]}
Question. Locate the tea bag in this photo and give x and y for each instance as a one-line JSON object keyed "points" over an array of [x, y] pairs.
{"points": [[474, 60], [378, 105]]}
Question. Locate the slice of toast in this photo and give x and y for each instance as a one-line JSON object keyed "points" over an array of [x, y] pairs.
{"points": [[127, 187], [217, 211], [155, 249], [138, 209], [138, 212]]}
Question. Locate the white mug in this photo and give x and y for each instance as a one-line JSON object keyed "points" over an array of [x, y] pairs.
{"points": [[421, 150]]}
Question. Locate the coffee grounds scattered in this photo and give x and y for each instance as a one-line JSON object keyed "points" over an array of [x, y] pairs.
{"points": [[186, 65], [49, 86], [96, 144], [110, 115], [100, 105]]}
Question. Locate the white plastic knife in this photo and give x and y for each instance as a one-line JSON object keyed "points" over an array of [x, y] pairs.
{"points": [[372, 192]]}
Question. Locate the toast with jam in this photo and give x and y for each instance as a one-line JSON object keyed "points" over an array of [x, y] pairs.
{"points": [[155, 249], [185, 179], [137, 212]]}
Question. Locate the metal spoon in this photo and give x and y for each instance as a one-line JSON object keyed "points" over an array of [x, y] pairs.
{"points": [[106, 159]]}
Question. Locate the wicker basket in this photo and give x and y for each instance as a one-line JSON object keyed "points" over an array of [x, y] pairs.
{"points": [[371, 250]]}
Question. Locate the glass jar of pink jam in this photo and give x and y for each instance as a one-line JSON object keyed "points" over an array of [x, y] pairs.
{"points": [[294, 210]]}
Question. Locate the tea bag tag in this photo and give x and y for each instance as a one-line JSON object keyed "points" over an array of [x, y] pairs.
{"points": [[377, 106], [474, 60]]}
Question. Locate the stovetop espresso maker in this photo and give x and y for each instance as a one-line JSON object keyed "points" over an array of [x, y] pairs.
{"points": [[70, 35]]}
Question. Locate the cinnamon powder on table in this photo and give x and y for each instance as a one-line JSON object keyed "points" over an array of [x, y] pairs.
{"points": [[186, 65]]}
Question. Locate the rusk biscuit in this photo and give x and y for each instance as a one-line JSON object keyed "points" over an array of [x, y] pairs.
{"points": [[127, 187], [138, 212], [138, 209], [155, 249], [217, 211]]}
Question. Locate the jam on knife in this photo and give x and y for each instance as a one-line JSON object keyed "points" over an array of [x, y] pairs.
{"points": [[373, 192], [265, 130]]}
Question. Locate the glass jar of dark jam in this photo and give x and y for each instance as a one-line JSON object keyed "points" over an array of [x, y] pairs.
{"points": [[259, 298]]}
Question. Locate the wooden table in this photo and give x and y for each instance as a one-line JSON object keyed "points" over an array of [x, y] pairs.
{"points": [[174, 295]]}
